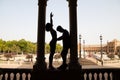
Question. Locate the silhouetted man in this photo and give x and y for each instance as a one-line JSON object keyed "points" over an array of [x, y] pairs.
{"points": [[66, 45], [49, 27]]}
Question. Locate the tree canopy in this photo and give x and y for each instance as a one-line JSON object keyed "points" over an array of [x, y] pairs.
{"points": [[23, 47]]}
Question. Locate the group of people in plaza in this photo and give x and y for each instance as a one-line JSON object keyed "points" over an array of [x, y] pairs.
{"points": [[66, 43]]}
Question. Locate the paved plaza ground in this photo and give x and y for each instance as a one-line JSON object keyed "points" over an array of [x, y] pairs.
{"points": [[86, 63]]}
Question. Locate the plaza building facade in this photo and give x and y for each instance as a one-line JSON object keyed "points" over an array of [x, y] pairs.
{"points": [[112, 47]]}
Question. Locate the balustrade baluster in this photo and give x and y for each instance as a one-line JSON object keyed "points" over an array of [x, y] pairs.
{"points": [[106, 76], [100, 76], [18, 76], [6, 76], [95, 76], [85, 76], [23, 76], [11, 76], [29, 76], [1, 76], [90, 76], [111, 76]]}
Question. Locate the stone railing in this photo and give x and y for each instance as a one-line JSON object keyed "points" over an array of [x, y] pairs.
{"points": [[15, 74], [97, 74], [86, 74], [100, 74]]}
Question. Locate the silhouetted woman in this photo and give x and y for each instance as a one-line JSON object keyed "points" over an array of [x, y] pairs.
{"points": [[49, 27]]}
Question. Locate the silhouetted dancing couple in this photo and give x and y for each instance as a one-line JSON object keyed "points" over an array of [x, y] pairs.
{"points": [[66, 44]]}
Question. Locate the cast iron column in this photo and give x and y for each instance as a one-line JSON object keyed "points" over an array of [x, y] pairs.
{"points": [[40, 60], [73, 35]]}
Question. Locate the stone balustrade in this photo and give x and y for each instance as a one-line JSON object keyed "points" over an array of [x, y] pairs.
{"points": [[86, 74]]}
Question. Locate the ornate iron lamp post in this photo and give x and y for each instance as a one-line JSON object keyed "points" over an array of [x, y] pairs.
{"points": [[101, 49], [80, 46], [84, 48]]}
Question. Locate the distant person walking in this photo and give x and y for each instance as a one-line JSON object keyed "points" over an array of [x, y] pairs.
{"points": [[66, 45], [49, 27]]}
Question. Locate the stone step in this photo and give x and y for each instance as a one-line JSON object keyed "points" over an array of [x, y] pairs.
{"points": [[87, 62]]}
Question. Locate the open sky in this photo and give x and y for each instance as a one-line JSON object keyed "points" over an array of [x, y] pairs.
{"points": [[18, 19]]}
